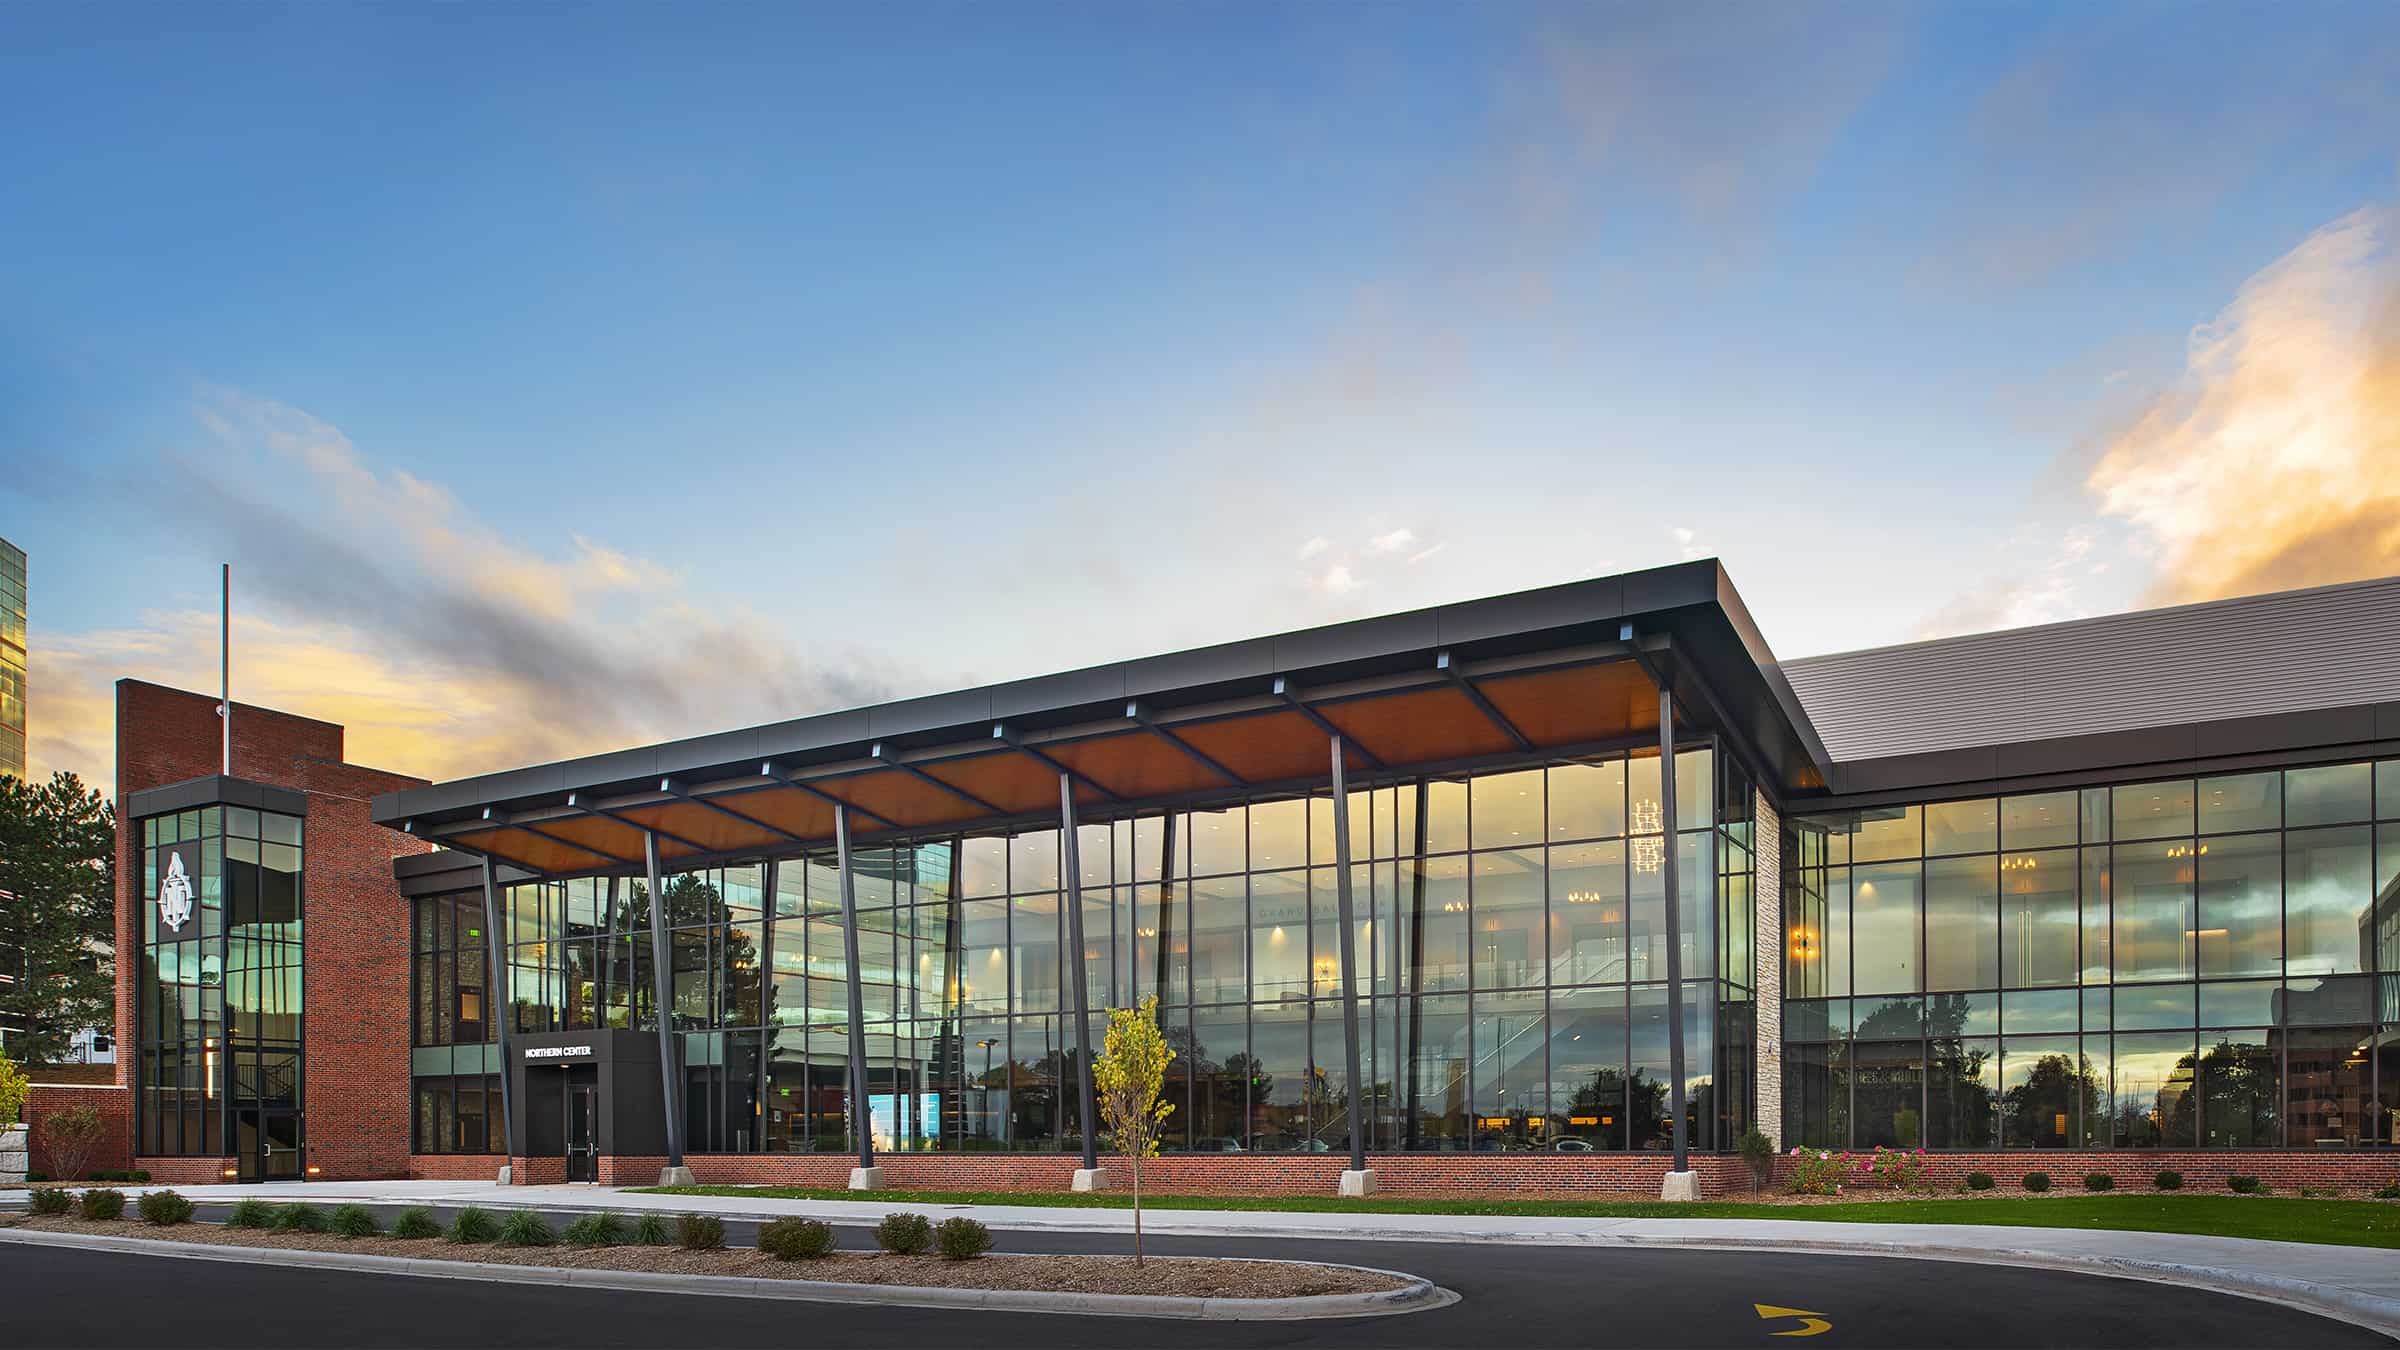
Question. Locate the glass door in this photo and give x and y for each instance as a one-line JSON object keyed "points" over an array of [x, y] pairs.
{"points": [[267, 1144], [583, 1131]]}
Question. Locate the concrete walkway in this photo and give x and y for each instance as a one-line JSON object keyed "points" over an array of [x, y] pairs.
{"points": [[2357, 1284]]}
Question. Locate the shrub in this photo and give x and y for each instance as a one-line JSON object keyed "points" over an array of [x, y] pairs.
{"points": [[251, 1214], [2099, 1181], [164, 1209], [301, 1217], [354, 1221], [1979, 1181], [1817, 1171], [101, 1203], [650, 1230], [473, 1225], [2036, 1181], [2391, 1192], [68, 1138], [904, 1234], [2169, 1180], [527, 1229], [52, 1200], [1758, 1154], [596, 1230], [797, 1239], [2240, 1184], [699, 1232], [961, 1238], [416, 1223], [13, 1090]]}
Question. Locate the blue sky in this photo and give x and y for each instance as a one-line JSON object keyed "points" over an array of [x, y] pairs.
{"points": [[556, 378]]}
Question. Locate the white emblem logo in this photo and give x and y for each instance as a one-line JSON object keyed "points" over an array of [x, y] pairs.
{"points": [[175, 894]]}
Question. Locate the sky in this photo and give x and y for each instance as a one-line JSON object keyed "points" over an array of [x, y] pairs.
{"points": [[562, 378]]}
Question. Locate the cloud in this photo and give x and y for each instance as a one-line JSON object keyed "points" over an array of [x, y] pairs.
{"points": [[2274, 461], [2048, 592], [1424, 553], [1687, 543], [1393, 542], [1337, 580], [1314, 547], [372, 597]]}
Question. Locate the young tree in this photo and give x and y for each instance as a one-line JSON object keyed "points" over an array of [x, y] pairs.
{"points": [[68, 1137], [58, 852], [1128, 1078], [13, 1091]]}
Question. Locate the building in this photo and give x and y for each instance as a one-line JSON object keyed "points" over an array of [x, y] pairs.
{"points": [[12, 660], [2113, 895]]}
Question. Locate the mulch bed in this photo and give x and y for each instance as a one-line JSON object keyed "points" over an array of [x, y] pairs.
{"points": [[1183, 1276]]}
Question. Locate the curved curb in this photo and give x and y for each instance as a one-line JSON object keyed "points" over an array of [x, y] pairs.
{"points": [[1418, 1295]]}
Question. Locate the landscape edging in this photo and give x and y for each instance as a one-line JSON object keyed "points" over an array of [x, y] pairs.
{"points": [[1419, 1295]]}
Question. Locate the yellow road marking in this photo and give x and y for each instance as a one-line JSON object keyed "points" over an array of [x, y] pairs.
{"points": [[1810, 1323]]}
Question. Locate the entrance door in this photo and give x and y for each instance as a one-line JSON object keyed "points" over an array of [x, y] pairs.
{"points": [[583, 1131], [266, 1144]]}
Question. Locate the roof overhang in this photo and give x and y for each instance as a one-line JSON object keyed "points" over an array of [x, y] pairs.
{"points": [[1559, 671]]}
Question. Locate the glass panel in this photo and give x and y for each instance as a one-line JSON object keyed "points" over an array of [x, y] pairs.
{"points": [[2241, 905], [1884, 929], [1962, 1087], [2241, 1004], [1511, 1037], [2154, 1091], [1509, 925], [1889, 1093], [2049, 1010], [1220, 931], [1962, 923], [2327, 894], [1588, 914], [1587, 1068], [1433, 1050], [1279, 835], [2152, 810], [2238, 1092], [1587, 801], [2148, 1007], [1891, 833], [1506, 809], [1962, 827], [2332, 795], [2250, 801], [2326, 1085], [2038, 919], [2042, 1090], [2039, 821], [2096, 916], [1279, 958], [983, 867], [1433, 924], [1445, 823], [2153, 905]]}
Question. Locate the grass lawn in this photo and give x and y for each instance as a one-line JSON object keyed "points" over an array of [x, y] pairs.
{"points": [[2341, 1223]]}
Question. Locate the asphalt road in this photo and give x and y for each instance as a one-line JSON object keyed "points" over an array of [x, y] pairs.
{"points": [[1515, 1297]]}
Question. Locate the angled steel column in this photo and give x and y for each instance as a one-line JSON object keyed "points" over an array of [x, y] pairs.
{"points": [[1667, 822], [505, 1010], [662, 991], [1341, 891], [1077, 975], [862, 1119]]}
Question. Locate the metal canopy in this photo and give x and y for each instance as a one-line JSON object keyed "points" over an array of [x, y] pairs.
{"points": [[1561, 671]]}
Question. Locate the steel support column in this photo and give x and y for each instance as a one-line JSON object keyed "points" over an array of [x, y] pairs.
{"points": [[662, 986], [1077, 975], [1667, 822], [862, 1118], [504, 1010], [1349, 973]]}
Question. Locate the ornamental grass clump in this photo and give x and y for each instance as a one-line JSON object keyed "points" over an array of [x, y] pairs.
{"points": [[102, 1204], [526, 1229], [650, 1230], [354, 1221], [962, 1238], [2037, 1182], [904, 1234], [416, 1223], [473, 1225], [1979, 1181], [699, 1232], [52, 1200], [596, 1230], [2099, 1181], [251, 1214], [798, 1239], [302, 1217], [164, 1209]]}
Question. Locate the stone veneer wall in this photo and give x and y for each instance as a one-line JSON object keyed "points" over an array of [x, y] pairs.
{"points": [[1766, 841]]}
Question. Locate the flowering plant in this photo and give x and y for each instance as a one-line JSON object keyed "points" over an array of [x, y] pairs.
{"points": [[1817, 1171], [1903, 1168]]}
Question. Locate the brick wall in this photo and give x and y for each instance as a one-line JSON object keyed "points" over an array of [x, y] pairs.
{"points": [[114, 1153], [2134, 1169], [456, 1166], [1622, 1175], [355, 921]]}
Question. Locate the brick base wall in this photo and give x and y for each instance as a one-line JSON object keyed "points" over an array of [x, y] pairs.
{"points": [[114, 1152], [1625, 1176], [455, 1166], [2134, 1170]]}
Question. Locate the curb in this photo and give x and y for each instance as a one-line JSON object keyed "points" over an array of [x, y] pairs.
{"points": [[1419, 1295]]}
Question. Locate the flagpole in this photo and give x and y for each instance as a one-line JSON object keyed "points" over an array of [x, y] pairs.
{"points": [[225, 665]]}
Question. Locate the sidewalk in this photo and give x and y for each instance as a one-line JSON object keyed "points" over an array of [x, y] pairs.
{"points": [[2357, 1284]]}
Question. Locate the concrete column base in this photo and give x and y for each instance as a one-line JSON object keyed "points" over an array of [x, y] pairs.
{"points": [[675, 1176], [1091, 1178], [1680, 1186], [1359, 1182], [866, 1178], [506, 1171]]}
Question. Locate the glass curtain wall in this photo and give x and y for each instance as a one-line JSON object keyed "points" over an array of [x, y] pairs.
{"points": [[1511, 941], [2209, 962], [219, 1014]]}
